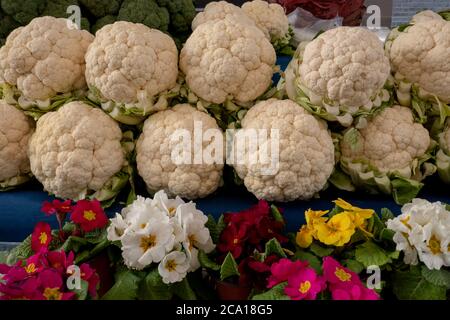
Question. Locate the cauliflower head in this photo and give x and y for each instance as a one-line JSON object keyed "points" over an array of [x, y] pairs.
{"points": [[443, 154], [130, 69], [76, 153], [420, 59], [155, 148], [219, 10], [42, 64], [228, 61], [271, 19], [389, 155], [306, 152], [15, 131], [340, 75]]}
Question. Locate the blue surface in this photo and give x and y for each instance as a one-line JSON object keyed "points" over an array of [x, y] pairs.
{"points": [[20, 209]]}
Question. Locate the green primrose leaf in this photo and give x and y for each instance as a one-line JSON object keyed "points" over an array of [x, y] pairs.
{"points": [[229, 267]]}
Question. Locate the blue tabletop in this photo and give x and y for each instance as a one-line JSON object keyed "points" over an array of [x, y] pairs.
{"points": [[20, 209]]}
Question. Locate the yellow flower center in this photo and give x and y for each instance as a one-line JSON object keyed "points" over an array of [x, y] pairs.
{"points": [[89, 215], [172, 211], [143, 225], [235, 241], [434, 245], [342, 275], [304, 287], [171, 265], [43, 238], [148, 242], [52, 294], [192, 241], [31, 268], [405, 222]]}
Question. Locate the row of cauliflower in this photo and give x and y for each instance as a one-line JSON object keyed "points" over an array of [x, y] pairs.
{"points": [[350, 110]]}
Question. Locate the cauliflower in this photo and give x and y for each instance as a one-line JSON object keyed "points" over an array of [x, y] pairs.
{"points": [[219, 10], [420, 57], [443, 154], [340, 75], [15, 131], [156, 147], [306, 153], [42, 65], [131, 70], [76, 153], [272, 20], [389, 155], [227, 62]]}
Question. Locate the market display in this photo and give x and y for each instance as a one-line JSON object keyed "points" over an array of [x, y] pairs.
{"points": [[182, 105]]}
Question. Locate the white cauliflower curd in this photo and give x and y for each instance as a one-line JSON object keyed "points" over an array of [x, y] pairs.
{"points": [[271, 19], [131, 70], [219, 10], [76, 153], [389, 155], [226, 61], [420, 57], [341, 75], [15, 131], [42, 65], [306, 153], [158, 144]]}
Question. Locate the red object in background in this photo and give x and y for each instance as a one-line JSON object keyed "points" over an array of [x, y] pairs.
{"points": [[351, 10]]}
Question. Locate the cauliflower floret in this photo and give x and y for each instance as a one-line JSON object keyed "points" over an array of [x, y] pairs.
{"points": [[306, 153], [15, 131], [341, 73], [157, 145], [227, 60], [76, 150], [45, 58], [270, 18], [420, 55], [390, 142], [130, 65], [219, 10]]}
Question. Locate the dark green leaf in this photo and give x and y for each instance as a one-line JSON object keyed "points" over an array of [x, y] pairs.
{"points": [[404, 190], [386, 214], [229, 268], [437, 277], [354, 265], [370, 254], [153, 288], [183, 290], [3, 256], [21, 252], [320, 251], [275, 293], [274, 247], [206, 262], [125, 287], [403, 27], [313, 261], [411, 285], [276, 214], [83, 291]]}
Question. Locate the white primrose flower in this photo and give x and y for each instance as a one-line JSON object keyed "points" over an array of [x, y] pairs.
{"points": [[422, 232], [174, 267], [168, 206], [149, 245], [138, 208], [117, 228]]}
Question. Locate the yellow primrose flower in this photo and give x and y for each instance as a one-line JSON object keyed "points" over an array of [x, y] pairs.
{"points": [[362, 213], [337, 231], [304, 237], [315, 216]]}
